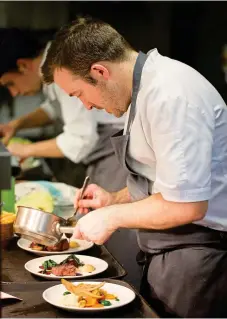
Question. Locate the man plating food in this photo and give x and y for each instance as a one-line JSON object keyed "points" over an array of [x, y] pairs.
{"points": [[174, 147]]}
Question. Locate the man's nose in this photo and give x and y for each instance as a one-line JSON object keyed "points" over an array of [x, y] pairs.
{"points": [[86, 104]]}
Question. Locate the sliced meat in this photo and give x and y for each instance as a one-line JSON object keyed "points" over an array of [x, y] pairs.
{"points": [[65, 244], [61, 246], [64, 270], [56, 247]]}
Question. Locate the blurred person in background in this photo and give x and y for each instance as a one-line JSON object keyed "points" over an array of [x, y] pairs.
{"points": [[82, 137]]}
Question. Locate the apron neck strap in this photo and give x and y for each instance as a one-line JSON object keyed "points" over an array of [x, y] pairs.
{"points": [[140, 61]]}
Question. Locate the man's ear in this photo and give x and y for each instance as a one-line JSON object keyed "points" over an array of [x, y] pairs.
{"points": [[99, 72], [23, 65]]}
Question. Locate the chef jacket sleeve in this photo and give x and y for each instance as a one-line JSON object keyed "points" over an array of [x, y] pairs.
{"points": [[49, 109], [181, 136], [79, 135]]}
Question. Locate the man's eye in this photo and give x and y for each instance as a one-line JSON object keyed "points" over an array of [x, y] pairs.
{"points": [[75, 95]]}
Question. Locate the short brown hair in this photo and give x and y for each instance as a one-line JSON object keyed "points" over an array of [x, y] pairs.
{"points": [[80, 44]]}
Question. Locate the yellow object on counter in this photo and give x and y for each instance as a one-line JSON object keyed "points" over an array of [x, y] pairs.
{"points": [[7, 218], [6, 227], [39, 200]]}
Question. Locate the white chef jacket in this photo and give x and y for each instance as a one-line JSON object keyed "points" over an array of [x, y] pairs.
{"points": [[79, 135], [178, 139]]}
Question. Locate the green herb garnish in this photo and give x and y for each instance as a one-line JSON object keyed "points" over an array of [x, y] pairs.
{"points": [[66, 293], [48, 264], [105, 303], [74, 258], [45, 265], [52, 263]]}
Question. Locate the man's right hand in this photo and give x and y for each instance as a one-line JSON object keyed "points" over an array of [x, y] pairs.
{"points": [[7, 131], [94, 197]]}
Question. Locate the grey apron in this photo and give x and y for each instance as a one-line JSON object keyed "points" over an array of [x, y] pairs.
{"points": [[103, 167], [184, 270]]}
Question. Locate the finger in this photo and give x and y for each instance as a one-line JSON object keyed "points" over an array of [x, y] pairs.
{"points": [[77, 234], [77, 197], [85, 237], [5, 140], [102, 240], [90, 190], [92, 203], [80, 211], [83, 211], [98, 242], [88, 193], [86, 211]]}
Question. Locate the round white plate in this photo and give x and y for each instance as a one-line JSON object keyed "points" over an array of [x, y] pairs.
{"points": [[83, 245], [54, 296], [33, 266]]}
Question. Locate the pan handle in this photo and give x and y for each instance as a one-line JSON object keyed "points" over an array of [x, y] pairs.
{"points": [[66, 229]]}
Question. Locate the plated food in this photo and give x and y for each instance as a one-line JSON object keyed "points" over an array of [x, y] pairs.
{"points": [[61, 246], [88, 296], [66, 266], [75, 246], [70, 266]]}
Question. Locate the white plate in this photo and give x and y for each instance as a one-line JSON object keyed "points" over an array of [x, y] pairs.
{"points": [[54, 295], [84, 245], [33, 266]]}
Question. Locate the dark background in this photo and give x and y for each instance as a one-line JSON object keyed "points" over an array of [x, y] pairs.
{"points": [[192, 32]]}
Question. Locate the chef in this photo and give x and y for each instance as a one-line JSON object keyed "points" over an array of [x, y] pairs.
{"points": [[82, 136], [174, 147]]}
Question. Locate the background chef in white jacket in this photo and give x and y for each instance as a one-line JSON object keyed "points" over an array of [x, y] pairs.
{"points": [[174, 148], [78, 137]]}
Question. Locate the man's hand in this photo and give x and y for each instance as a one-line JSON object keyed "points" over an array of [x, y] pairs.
{"points": [[20, 150], [97, 226], [94, 197], [7, 131]]}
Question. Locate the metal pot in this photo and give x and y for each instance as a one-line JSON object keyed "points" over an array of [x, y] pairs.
{"points": [[43, 228]]}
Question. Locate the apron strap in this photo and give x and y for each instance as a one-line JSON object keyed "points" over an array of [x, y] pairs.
{"points": [[141, 59]]}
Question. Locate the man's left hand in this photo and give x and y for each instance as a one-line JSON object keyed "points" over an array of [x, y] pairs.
{"points": [[97, 226]]}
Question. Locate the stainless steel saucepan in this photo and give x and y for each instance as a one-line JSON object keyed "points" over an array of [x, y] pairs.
{"points": [[43, 228]]}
